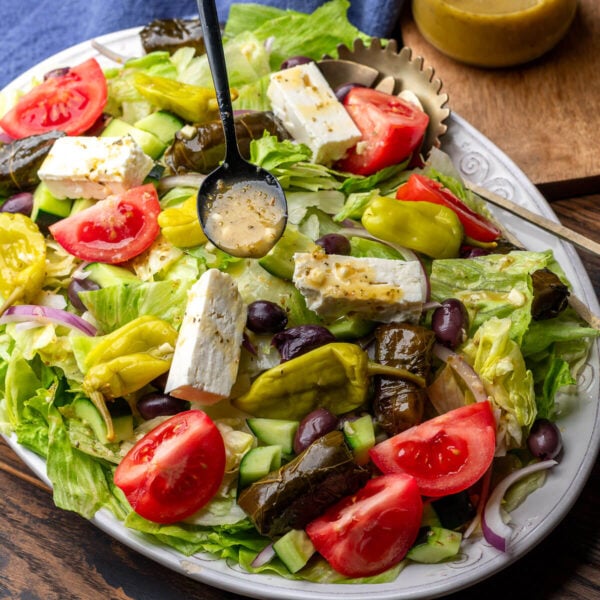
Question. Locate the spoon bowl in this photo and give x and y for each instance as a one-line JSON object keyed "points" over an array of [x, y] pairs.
{"points": [[241, 207]]}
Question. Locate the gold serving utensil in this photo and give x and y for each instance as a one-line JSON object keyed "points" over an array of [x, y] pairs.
{"points": [[384, 67], [560, 231]]}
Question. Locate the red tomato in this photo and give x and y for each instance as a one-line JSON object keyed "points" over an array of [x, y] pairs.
{"points": [[71, 102], [446, 454], [112, 230], [175, 469], [422, 188], [391, 129], [371, 531]]}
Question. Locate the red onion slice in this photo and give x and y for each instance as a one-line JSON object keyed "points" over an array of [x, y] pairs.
{"points": [[463, 369], [495, 530], [263, 557], [111, 54], [46, 314]]}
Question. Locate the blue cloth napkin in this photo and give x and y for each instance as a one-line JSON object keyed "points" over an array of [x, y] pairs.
{"points": [[36, 29]]}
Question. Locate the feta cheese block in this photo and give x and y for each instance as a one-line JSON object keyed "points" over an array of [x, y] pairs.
{"points": [[302, 99], [94, 167], [207, 352], [376, 289]]}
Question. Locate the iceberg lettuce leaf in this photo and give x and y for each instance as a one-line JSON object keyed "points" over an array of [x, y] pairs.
{"points": [[497, 285], [116, 305], [500, 364], [313, 35]]}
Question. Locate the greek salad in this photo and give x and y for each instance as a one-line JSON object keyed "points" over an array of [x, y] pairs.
{"points": [[379, 387]]}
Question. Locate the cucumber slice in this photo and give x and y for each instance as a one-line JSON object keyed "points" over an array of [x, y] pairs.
{"points": [[435, 544], [360, 436], [279, 261], [86, 412], [257, 463], [161, 124], [148, 142], [294, 549], [81, 204], [48, 209], [278, 432], [351, 328], [106, 275]]}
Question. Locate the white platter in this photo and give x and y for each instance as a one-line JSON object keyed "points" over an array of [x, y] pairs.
{"points": [[481, 162]]}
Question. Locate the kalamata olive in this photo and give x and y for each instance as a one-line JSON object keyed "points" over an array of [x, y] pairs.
{"points": [[19, 203], [450, 323], [544, 440], [342, 90], [156, 404], [266, 317], [314, 425], [294, 61], [334, 243], [80, 285], [296, 341], [60, 72], [473, 252]]}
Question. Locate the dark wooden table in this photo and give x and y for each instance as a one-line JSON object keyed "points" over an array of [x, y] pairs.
{"points": [[46, 553]]}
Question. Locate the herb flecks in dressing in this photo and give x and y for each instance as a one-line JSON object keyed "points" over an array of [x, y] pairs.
{"points": [[244, 219]]}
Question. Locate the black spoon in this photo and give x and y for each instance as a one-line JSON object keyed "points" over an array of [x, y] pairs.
{"points": [[242, 207]]}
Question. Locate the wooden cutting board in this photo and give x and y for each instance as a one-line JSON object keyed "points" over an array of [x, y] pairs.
{"points": [[544, 115]]}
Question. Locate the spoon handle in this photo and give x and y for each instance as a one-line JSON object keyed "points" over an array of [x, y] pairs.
{"points": [[211, 30]]}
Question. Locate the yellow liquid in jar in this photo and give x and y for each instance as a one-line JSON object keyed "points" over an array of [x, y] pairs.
{"points": [[493, 33]]}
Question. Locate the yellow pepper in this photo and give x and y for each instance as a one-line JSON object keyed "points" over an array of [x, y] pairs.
{"points": [[191, 102], [144, 334], [126, 360], [334, 376], [181, 226], [22, 259], [425, 227]]}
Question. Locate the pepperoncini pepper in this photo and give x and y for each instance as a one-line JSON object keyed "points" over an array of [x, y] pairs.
{"points": [[126, 360], [425, 227], [334, 376], [191, 102], [22, 259], [181, 226]]}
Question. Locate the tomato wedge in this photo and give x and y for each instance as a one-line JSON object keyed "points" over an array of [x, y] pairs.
{"points": [[392, 130], [476, 226], [175, 469], [71, 102], [371, 531], [112, 230], [446, 454]]}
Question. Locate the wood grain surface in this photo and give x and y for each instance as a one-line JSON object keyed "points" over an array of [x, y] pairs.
{"points": [[544, 115]]}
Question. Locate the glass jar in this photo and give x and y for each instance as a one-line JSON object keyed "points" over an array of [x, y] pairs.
{"points": [[493, 33]]}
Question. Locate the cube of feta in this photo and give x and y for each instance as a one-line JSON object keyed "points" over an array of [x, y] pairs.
{"points": [[93, 167], [373, 288], [208, 348], [302, 99]]}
